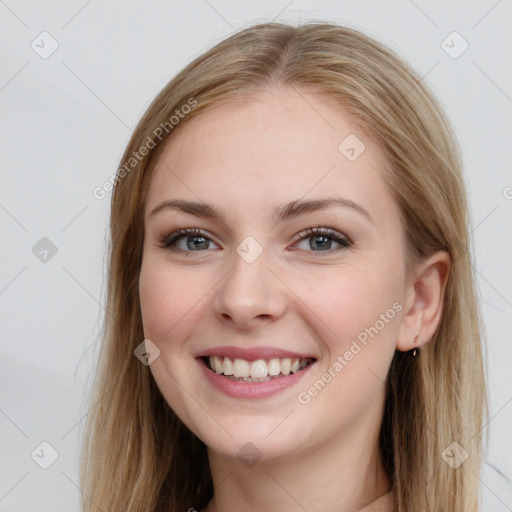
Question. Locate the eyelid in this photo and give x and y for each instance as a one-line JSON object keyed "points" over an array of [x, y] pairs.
{"points": [[329, 232], [322, 230]]}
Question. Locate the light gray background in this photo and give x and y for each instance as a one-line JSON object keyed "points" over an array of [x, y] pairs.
{"points": [[63, 126]]}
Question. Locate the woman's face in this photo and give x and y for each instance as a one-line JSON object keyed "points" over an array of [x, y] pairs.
{"points": [[296, 258]]}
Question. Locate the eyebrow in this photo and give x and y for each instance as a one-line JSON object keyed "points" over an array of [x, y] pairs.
{"points": [[281, 213]]}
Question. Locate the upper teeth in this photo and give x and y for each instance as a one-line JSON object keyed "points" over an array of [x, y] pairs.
{"points": [[257, 369]]}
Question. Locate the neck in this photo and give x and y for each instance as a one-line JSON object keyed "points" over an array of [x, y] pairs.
{"points": [[344, 475]]}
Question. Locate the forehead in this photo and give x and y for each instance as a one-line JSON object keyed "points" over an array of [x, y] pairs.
{"points": [[283, 145]]}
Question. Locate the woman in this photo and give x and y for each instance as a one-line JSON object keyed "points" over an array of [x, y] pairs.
{"points": [[289, 238]]}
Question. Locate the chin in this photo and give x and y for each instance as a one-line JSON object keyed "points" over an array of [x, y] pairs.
{"points": [[255, 439]]}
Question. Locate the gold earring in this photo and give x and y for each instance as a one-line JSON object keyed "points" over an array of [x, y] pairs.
{"points": [[415, 339]]}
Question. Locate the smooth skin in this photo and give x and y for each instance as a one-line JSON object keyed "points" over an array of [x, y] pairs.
{"points": [[306, 293]]}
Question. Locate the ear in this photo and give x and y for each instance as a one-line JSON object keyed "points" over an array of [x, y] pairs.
{"points": [[424, 301]]}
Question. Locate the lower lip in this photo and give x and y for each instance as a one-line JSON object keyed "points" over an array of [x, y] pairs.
{"points": [[251, 389]]}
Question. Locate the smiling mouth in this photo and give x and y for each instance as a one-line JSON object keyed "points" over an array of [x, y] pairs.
{"points": [[259, 370]]}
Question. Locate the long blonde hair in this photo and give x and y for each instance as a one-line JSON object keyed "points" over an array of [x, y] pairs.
{"points": [[137, 455]]}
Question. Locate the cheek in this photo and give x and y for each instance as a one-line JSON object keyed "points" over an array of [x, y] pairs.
{"points": [[360, 312], [168, 299], [354, 304]]}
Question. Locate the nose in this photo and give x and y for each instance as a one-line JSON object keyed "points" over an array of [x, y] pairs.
{"points": [[250, 295]]}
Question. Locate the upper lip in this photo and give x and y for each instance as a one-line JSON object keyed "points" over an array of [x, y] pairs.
{"points": [[252, 353]]}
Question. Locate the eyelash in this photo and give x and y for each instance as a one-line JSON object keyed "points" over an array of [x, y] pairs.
{"points": [[168, 241]]}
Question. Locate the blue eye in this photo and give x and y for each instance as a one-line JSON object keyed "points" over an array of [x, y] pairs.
{"points": [[322, 240], [191, 239]]}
